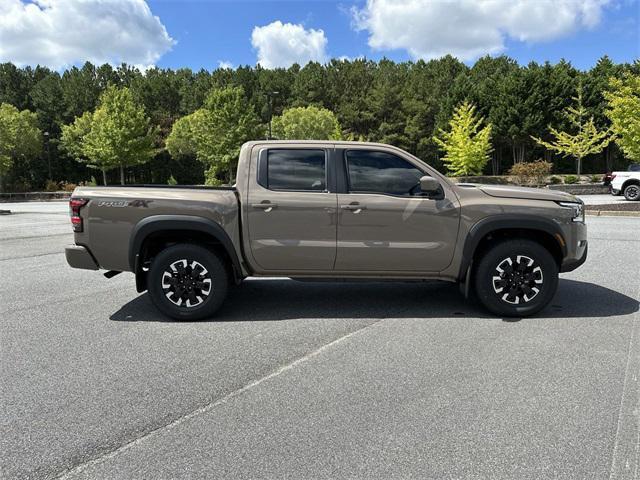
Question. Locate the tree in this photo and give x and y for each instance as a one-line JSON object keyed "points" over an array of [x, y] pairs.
{"points": [[585, 141], [624, 112], [216, 132], [73, 141], [117, 134], [19, 136], [467, 145], [306, 123]]}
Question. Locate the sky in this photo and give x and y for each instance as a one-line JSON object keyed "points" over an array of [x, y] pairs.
{"points": [[214, 33]]}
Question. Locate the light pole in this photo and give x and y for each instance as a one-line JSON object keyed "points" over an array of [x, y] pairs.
{"points": [[46, 136], [270, 96]]}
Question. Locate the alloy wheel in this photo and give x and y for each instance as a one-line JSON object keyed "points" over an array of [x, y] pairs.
{"points": [[517, 280], [186, 284]]}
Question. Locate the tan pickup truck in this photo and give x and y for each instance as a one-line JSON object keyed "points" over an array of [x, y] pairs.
{"points": [[330, 210]]}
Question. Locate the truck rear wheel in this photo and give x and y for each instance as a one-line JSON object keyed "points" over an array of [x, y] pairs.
{"points": [[187, 282], [516, 278]]}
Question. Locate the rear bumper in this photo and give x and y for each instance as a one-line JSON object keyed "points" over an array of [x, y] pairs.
{"points": [[80, 257]]}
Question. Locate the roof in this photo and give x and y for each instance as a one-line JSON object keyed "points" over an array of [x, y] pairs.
{"points": [[329, 142]]}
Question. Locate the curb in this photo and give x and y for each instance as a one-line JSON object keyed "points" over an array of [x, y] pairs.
{"points": [[612, 213]]}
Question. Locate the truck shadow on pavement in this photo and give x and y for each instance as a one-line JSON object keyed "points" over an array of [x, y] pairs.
{"points": [[283, 299]]}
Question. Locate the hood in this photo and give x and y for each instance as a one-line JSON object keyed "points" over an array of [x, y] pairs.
{"points": [[507, 191]]}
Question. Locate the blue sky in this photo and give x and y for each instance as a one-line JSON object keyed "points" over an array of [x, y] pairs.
{"points": [[203, 33], [211, 31]]}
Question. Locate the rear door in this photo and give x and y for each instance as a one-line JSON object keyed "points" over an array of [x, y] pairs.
{"points": [[291, 209], [385, 223]]}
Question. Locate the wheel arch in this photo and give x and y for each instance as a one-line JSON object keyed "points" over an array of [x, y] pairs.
{"points": [[542, 230], [155, 232], [631, 181]]}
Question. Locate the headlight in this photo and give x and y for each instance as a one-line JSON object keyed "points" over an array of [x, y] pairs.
{"points": [[577, 210]]}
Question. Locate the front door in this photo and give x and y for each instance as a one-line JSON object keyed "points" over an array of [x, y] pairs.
{"points": [[291, 213], [385, 223]]}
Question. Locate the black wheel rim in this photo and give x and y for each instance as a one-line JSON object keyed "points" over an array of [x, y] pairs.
{"points": [[633, 192], [186, 283], [517, 280]]}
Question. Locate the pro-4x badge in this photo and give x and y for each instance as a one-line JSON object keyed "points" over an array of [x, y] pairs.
{"points": [[124, 203]]}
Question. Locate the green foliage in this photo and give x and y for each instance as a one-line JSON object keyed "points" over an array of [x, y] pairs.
{"points": [[307, 123], [19, 135], [401, 103], [467, 145], [624, 112], [172, 181], [117, 134], [587, 139], [596, 178], [571, 179], [216, 132], [531, 172], [555, 180], [73, 137]]}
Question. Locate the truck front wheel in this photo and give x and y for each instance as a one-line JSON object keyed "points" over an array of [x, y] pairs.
{"points": [[516, 278], [187, 282]]}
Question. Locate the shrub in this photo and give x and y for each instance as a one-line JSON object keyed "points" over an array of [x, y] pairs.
{"points": [[172, 181], [555, 180], [596, 178], [68, 187], [531, 172], [51, 186], [571, 179]]}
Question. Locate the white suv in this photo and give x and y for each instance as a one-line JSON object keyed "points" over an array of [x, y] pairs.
{"points": [[627, 183]]}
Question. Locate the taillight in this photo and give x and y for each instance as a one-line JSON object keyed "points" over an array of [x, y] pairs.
{"points": [[612, 176], [75, 204]]}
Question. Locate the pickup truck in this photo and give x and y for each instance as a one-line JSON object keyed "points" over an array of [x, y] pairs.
{"points": [[627, 183], [330, 210]]}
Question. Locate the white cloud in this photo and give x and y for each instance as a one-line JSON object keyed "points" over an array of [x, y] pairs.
{"points": [[225, 65], [283, 44], [468, 29], [58, 33]]}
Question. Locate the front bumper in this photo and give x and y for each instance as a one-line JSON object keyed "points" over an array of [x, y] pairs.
{"points": [[571, 264], [80, 257]]}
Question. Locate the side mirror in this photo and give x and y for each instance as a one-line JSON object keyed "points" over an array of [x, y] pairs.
{"points": [[429, 185]]}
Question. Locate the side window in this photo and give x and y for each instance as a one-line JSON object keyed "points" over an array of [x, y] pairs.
{"points": [[296, 169], [380, 172]]}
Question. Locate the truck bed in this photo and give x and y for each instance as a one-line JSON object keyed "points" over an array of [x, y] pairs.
{"points": [[113, 213]]}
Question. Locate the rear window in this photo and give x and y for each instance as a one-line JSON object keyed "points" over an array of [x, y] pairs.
{"points": [[291, 169]]}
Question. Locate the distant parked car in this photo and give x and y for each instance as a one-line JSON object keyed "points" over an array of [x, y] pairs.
{"points": [[626, 183]]}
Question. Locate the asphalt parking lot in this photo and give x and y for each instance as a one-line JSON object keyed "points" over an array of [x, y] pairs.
{"points": [[325, 380]]}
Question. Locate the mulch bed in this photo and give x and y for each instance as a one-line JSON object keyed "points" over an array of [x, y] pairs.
{"points": [[615, 207]]}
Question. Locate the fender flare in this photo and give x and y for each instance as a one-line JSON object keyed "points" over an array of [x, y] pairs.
{"points": [[505, 221], [183, 223]]}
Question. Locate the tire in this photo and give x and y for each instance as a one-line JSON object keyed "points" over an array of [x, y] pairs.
{"points": [[632, 192], [518, 292], [187, 282]]}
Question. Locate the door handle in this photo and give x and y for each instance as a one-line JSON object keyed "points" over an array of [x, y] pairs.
{"points": [[267, 207], [355, 208]]}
